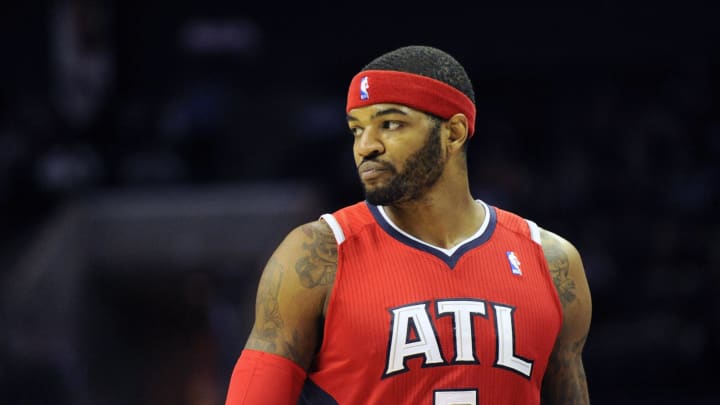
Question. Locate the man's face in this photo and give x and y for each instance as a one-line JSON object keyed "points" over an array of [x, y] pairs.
{"points": [[398, 152]]}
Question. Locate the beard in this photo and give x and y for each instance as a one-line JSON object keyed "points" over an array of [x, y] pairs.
{"points": [[422, 171]]}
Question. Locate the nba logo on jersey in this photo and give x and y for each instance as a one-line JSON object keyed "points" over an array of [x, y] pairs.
{"points": [[514, 263], [364, 86]]}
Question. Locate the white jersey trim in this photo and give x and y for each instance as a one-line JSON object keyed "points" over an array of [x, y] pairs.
{"points": [[534, 232], [449, 252], [335, 227]]}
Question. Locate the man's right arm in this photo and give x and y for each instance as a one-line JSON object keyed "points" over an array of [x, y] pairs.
{"points": [[288, 317]]}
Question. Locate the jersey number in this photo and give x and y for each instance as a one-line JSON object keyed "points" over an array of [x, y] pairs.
{"points": [[455, 397]]}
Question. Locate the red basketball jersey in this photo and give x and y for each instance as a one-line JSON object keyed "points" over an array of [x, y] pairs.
{"points": [[411, 323]]}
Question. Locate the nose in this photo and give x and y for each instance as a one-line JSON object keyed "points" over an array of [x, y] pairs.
{"points": [[369, 144]]}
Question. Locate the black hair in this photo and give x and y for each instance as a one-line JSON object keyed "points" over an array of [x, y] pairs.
{"points": [[426, 61]]}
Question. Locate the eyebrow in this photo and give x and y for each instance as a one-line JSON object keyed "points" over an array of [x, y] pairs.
{"points": [[380, 113]]}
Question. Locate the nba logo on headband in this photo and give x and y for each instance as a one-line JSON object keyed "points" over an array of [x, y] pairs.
{"points": [[364, 95]]}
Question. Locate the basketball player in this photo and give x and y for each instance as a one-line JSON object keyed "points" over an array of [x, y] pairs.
{"points": [[421, 294]]}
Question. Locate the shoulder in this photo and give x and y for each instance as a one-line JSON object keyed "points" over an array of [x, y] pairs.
{"points": [[558, 250], [311, 250], [304, 263], [564, 263], [312, 230]]}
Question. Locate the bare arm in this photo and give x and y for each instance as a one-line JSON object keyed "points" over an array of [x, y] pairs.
{"points": [[292, 292], [565, 382]]}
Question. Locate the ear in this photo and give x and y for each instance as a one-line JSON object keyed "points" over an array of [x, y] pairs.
{"points": [[458, 125]]}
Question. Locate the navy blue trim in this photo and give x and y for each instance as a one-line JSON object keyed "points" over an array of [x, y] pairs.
{"points": [[451, 261], [313, 395]]}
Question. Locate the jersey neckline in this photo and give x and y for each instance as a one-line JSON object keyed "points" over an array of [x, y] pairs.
{"points": [[449, 256]]}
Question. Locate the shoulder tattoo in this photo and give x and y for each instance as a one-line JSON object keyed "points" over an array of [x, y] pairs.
{"points": [[319, 265], [559, 265]]}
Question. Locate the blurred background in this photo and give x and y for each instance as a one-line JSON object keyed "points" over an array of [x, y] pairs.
{"points": [[153, 154]]}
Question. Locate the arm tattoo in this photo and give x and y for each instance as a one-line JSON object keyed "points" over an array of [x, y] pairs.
{"points": [[559, 265], [318, 267], [266, 335], [269, 322], [565, 381]]}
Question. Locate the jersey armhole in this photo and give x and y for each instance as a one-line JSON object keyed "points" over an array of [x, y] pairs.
{"points": [[335, 227], [535, 236], [534, 232]]}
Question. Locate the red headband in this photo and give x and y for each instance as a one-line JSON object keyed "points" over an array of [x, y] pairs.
{"points": [[415, 91]]}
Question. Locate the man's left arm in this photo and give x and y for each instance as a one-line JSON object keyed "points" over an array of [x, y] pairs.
{"points": [[565, 382]]}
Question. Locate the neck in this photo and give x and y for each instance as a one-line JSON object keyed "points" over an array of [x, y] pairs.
{"points": [[445, 216]]}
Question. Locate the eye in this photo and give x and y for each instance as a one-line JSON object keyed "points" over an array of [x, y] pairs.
{"points": [[356, 131], [392, 125]]}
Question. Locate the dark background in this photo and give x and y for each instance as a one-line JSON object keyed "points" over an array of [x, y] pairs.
{"points": [[153, 154]]}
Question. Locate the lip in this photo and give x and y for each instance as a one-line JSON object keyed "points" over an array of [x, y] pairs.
{"points": [[371, 170], [371, 174]]}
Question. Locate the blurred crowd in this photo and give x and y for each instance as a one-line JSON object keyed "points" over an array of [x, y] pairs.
{"points": [[617, 152]]}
